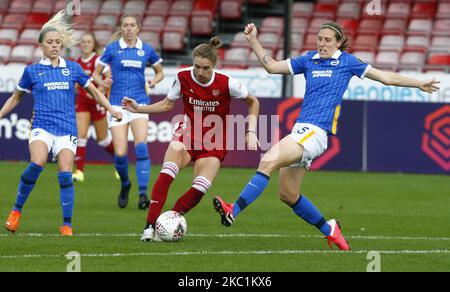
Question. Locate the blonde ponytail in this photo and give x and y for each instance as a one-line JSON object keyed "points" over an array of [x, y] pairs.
{"points": [[60, 23]]}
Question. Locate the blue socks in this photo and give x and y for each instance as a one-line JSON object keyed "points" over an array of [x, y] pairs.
{"points": [[121, 164], [251, 192], [26, 185], [143, 164], [308, 212], [67, 194]]}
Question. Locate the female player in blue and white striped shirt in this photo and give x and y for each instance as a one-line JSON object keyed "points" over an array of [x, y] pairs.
{"points": [[128, 58], [327, 72], [52, 83]]}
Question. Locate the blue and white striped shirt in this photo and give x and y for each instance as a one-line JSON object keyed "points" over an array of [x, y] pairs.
{"points": [[53, 90], [127, 68], [326, 82]]}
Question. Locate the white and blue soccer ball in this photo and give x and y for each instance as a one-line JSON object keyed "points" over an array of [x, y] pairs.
{"points": [[171, 226]]}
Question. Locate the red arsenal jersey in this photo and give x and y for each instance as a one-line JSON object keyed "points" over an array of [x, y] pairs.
{"points": [[206, 106], [88, 66]]}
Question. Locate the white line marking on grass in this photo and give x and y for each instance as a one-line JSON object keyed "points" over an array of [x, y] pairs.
{"points": [[229, 252], [237, 235]]}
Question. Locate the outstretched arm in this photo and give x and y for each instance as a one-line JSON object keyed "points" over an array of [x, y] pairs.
{"points": [[162, 106], [253, 112], [11, 103], [395, 79], [103, 101], [271, 65]]}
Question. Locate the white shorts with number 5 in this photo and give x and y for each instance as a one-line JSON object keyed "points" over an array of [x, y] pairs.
{"points": [[314, 141], [53, 142]]}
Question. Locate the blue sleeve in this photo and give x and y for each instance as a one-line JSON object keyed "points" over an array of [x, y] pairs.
{"points": [[357, 67], [106, 58], [81, 77], [25, 82], [298, 65], [154, 58]]}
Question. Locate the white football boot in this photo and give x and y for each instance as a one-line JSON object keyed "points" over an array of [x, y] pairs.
{"points": [[150, 235]]}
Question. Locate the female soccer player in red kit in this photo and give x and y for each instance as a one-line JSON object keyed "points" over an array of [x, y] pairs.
{"points": [[88, 110], [207, 93]]}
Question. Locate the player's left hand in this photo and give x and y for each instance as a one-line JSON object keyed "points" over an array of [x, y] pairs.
{"points": [[429, 86], [117, 115], [252, 141], [130, 105]]}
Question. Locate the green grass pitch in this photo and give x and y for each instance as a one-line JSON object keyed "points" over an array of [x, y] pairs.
{"points": [[404, 217]]}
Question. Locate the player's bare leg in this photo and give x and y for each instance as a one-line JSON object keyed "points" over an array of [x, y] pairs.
{"points": [[176, 158], [205, 172]]}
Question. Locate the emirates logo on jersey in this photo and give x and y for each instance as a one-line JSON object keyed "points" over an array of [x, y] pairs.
{"points": [[204, 106]]}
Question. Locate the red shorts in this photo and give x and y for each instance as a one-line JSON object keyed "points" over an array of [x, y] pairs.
{"points": [[198, 154], [85, 104]]}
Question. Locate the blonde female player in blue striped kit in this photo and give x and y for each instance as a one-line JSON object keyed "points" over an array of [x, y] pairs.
{"points": [[52, 83], [327, 72]]}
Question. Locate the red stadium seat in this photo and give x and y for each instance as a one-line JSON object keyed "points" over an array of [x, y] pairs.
{"points": [[60, 5], [231, 9], [366, 42], [438, 62], [179, 22], [302, 9], [22, 53], [5, 51], [29, 37], [4, 5], [398, 10], [42, 6], [181, 8], [209, 5], [270, 40], [105, 22], [83, 22], [111, 7], [14, 21], [91, 7], [236, 58], [272, 24], [440, 44], [20, 6], [387, 60], [151, 38], [299, 25], [426, 10], [349, 10], [350, 26], [1, 19], [365, 56], [443, 10], [417, 43], [325, 10], [392, 42], [394, 25], [160, 7], [412, 61], [135, 7], [442, 27], [173, 40], [103, 36], [239, 41], [36, 20], [316, 23], [369, 25], [420, 26], [154, 22], [202, 23]]}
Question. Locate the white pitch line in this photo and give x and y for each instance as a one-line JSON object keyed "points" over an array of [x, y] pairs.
{"points": [[229, 252], [237, 235]]}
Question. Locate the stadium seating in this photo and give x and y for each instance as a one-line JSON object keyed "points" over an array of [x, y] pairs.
{"points": [[5, 50], [300, 9], [29, 37], [173, 39], [43, 6], [62, 4], [387, 60], [412, 61], [366, 56], [8, 36], [21, 6], [91, 7], [22, 53], [231, 9], [111, 7], [236, 58], [105, 22], [181, 8], [202, 23], [14, 21]]}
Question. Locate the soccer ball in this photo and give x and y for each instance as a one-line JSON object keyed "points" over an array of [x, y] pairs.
{"points": [[171, 226]]}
